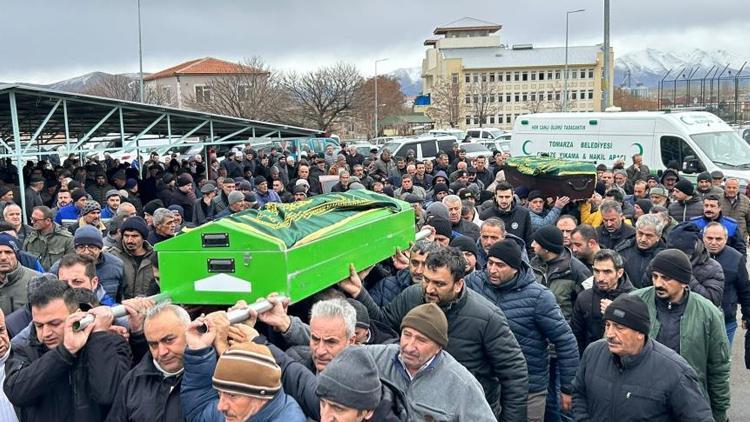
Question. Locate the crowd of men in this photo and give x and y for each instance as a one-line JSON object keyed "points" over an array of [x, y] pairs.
{"points": [[518, 306]]}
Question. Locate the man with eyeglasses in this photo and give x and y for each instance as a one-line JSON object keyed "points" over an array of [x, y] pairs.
{"points": [[49, 241], [109, 269]]}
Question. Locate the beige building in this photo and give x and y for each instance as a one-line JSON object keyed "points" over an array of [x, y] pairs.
{"points": [[473, 78], [188, 84]]}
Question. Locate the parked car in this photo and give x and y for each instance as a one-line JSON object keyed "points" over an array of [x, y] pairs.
{"points": [[424, 147], [457, 133]]}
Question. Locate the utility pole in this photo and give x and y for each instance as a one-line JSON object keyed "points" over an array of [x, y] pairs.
{"points": [[565, 75], [376, 95], [140, 54], [606, 101]]}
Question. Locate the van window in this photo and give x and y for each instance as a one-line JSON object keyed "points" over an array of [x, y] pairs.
{"points": [[429, 149], [473, 133], [676, 149], [486, 135], [445, 145]]}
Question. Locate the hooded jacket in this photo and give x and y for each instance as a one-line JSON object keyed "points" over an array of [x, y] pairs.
{"points": [[655, 385], [563, 276], [588, 322], [136, 276], [610, 240], [535, 320], [53, 385], [13, 292], [517, 220], [687, 209], [703, 344], [385, 290]]}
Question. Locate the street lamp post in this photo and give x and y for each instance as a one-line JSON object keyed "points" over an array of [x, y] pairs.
{"points": [[376, 95], [140, 53], [565, 74]]}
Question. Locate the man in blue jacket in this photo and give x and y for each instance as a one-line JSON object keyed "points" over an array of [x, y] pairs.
{"points": [[712, 213], [535, 320]]}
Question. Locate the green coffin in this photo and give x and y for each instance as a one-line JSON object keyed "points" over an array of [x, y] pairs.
{"points": [[294, 249]]}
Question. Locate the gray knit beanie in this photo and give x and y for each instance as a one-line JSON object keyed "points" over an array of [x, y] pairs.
{"points": [[351, 379]]}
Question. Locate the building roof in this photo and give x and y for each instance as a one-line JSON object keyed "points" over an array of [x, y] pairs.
{"points": [[203, 66], [467, 24], [494, 57]]}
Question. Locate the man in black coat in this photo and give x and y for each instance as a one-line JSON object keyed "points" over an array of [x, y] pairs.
{"points": [[637, 252], [613, 230], [184, 196], [610, 281], [60, 374], [516, 218], [479, 335], [736, 283], [628, 376]]}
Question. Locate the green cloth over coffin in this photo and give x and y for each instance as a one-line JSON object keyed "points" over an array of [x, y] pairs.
{"points": [[536, 166], [293, 249]]}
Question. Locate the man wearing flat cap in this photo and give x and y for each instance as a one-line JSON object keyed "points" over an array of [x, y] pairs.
{"points": [[689, 324], [629, 376]]}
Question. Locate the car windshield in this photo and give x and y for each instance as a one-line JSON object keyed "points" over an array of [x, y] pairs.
{"points": [[474, 148], [725, 149], [496, 133], [392, 146]]}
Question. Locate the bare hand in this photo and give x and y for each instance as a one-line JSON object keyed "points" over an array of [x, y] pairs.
{"points": [[603, 305], [240, 333], [562, 201], [400, 259], [136, 309], [353, 284], [75, 340], [196, 340], [432, 234], [277, 316], [103, 318], [116, 329], [220, 322], [566, 402]]}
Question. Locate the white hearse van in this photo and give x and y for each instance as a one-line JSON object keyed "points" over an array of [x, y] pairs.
{"points": [[698, 141]]}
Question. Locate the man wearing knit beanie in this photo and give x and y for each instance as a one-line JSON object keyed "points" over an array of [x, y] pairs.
{"points": [[349, 388], [133, 250], [707, 275], [469, 249], [689, 324], [509, 281], [686, 205], [246, 380], [627, 343]]}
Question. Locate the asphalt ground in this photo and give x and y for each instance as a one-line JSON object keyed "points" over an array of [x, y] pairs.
{"points": [[739, 380]]}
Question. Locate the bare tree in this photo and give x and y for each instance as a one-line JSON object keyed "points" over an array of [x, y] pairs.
{"points": [[123, 87], [318, 98], [252, 92], [480, 99], [445, 104]]}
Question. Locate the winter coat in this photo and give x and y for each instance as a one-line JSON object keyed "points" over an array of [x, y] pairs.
{"points": [[146, 395], [269, 196], [734, 235], [482, 256], [53, 385], [426, 394], [517, 220], [739, 210], [29, 261], [588, 322], [68, 212], [685, 210], [708, 276], [201, 215], [611, 240], [185, 200], [385, 290], [109, 269], [18, 320], [50, 247], [642, 173], [713, 190], [199, 399], [563, 276], [33, 199], [13, 292], [467, 228], [98, 192], [547, 218], [655, 385], [535, 320], [703, 344], [388, 168], [636, 260], [415, 190], [479, 338], [136, 279], [736, 284]]}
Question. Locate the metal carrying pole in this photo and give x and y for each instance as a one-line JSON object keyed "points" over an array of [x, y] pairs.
{"points": [[118, 311]]}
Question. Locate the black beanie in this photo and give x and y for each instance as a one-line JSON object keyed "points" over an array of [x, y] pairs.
{"points": [[135, 223], [440, 187], [351, 379], [704, 176], [645, 205], [674, 264], [630, 311], [684, 186], [684, 237], [534, 195], [507, 251], [441, 226], [550, 238], [363, 317], [464, 244]]}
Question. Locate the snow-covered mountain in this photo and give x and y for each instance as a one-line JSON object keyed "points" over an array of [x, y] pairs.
{"points": [[410, 79], [649, 66]]}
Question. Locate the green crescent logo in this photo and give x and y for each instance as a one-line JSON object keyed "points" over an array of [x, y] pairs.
{"points": [[639, 146], [523, 148]]}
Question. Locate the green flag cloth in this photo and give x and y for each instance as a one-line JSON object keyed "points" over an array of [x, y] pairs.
{"points": [[296, 221], [536, 166]]}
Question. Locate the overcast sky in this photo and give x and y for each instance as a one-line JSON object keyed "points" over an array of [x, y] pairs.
{"points": [[44, 41]]}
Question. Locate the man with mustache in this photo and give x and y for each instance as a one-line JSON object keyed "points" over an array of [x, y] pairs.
{"points": [[712, 212], [629, 376], [689, 324], [6, 408], [638, 252], [135, 253], [388, 288]]}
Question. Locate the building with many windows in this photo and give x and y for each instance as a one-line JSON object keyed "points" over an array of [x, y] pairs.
{"points": [[189, 84], [473, 79]]}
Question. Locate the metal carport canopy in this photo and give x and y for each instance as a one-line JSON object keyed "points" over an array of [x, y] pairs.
{"points": [[33, 117]]}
